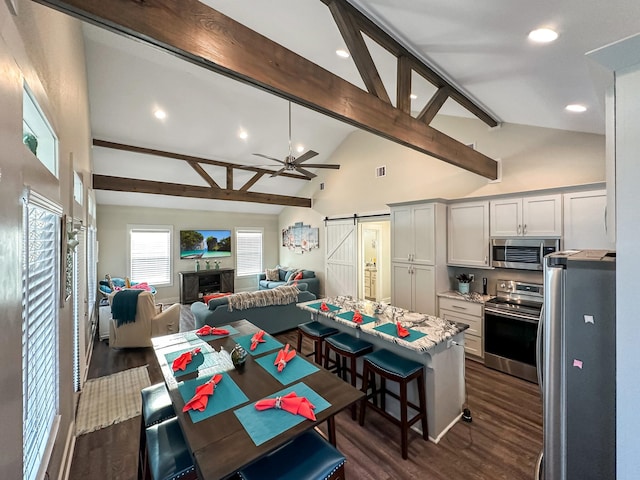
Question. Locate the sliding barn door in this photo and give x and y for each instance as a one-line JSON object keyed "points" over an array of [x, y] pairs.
{"points": [[341, 260]]}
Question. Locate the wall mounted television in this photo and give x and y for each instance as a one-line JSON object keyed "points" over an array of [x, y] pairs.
{"points": [[205, 243]]}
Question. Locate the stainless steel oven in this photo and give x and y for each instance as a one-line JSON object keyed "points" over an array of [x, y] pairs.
{"points": [[511, 327], [522, 253]]}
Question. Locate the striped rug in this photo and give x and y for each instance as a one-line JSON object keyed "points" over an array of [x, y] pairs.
{"points": [[112, 399]]}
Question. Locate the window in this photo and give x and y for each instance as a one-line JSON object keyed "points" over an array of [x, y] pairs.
{"points": [[78, 314], [37, 133], [40, 318], [150, 254], [92, 270], [78, 188], [248, 251]]}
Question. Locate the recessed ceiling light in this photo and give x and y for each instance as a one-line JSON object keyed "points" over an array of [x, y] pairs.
{"points": [[413, 96], [543, 35], [576, 108], [300, 148], [160, 114], [342, 53], [243, 134]]}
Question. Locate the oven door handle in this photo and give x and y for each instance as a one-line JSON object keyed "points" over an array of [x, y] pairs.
{"points": [[515, 316]]}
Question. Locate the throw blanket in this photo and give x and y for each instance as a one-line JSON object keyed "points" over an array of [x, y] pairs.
{"points": [[124, 306], [283, 295]]}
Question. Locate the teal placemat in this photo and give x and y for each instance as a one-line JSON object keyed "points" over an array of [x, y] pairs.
{"points": [[269, 344], [316, 306], [198, 362], [349, 316], [263, 425], [191, 336], [296, 369], [390, 329], [226, 395]]}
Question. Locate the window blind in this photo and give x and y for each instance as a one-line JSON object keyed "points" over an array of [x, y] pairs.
{"points": [[40, 373], [150, 255], [92, 271], [248, 252], [78, 312]]}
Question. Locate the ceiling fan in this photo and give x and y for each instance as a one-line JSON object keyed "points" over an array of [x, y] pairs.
{"points": [[291, 163]]}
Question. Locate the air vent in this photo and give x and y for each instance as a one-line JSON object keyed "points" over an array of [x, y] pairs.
{"points": [[381, 171]]}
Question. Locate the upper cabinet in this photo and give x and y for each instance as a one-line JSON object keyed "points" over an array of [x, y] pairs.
{"points": [[468, 234], [413, 233], [585, 221], [539, 216]]}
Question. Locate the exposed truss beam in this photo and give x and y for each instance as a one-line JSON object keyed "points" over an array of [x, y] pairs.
{"points": [[120, 184], [195, 32], [434, 105], [203, 174], [189, 159]]}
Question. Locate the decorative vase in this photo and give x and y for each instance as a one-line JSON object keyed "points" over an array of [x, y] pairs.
{"points": [[207, 265], [238, 357], [31, 142], [216, 265], [463, 287], [197, 265]]}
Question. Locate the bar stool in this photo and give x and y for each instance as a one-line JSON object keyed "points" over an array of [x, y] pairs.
{"points": [[168, 456], [390, 366], [156, 408], [316, 332], [307, 457], [345, 347]]}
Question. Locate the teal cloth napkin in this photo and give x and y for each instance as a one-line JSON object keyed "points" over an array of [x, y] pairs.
{"points": [[349, 316], [200, 361], [390, 329], [191, 336], [296, 369], [269, 344], [264, 425], [316, 306], [226, 395]]}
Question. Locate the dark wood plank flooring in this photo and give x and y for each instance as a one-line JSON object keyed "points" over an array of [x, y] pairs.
{"points": [[502, 441]]}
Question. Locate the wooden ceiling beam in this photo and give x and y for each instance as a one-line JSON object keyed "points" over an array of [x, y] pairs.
{"points": [[434, 105], [359, 51], [195, 32], [384, 39], [120, 184], [403, 85], [203, 174], [229, 178], [188, 158], [251, 182]]}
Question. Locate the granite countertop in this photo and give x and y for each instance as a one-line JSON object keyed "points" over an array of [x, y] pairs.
{"points": [[473, 297], [437, 329]]}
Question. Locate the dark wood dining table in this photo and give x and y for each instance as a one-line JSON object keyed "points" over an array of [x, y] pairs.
{"points": [[219, 444]]}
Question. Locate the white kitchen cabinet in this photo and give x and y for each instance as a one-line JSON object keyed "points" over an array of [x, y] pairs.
{"points": [[468, 234], [585, 218], [414, 287], [535, 216], [370, 277], [413, 233], [470, 313]]}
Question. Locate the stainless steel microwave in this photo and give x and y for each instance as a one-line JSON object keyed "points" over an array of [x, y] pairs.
{"points": [[522, 253]]}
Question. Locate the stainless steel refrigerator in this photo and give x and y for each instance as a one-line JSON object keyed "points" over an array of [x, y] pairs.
{"points": [[576, 362]]}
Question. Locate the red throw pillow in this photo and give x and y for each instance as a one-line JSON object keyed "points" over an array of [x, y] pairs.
{"points": [[298, 276]]}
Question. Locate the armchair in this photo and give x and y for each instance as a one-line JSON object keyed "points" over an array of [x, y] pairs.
{"points": [[150, 322]]}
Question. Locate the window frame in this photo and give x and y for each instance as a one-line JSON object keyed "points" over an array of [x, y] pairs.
{"points": [[131, 229], [238, 232]]}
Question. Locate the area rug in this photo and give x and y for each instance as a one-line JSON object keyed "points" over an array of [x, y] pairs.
{"points": [[112, 399]]}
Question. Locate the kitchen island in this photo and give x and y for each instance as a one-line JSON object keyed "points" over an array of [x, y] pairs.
{"points": [[440, 350]]}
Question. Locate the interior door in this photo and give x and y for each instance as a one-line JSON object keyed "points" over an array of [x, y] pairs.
{"points": [[341, 261]]}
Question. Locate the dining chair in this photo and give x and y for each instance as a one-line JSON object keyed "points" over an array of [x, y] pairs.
{"points": [[156, 408], [168, 456]]}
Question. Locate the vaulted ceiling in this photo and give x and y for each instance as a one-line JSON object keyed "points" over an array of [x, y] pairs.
{"points": [[479, 48]]}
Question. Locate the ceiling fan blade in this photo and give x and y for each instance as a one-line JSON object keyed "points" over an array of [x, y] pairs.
{"points": [[269, 158], [322, 165], [305, 156], [275, 174], [306, 173]]}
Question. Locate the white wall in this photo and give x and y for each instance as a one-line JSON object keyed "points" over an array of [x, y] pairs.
{"points": [[47, 50], [112, 238]]}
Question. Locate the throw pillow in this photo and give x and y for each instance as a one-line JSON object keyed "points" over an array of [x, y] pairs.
{"points": [[298, 276], [272, 274]]}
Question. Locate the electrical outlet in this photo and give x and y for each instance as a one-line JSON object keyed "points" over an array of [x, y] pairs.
{"points": [[473, 277]]}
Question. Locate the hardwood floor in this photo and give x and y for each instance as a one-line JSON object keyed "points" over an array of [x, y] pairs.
{"points": [[502, 441]]}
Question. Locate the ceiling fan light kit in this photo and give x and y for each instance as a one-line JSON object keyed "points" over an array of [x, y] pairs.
{"points": [[294, 164]]}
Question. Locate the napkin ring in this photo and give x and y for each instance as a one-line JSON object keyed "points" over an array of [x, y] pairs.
{"points": [[278, 402]]}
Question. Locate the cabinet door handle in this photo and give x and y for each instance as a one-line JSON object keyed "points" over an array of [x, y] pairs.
{"points": [[459, 307], [524, 230], [606, 229], [519, 229], [485, 259]]}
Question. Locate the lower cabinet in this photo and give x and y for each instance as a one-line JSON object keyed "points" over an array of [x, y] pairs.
{"points": [[473, 315], [414, 287]]}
